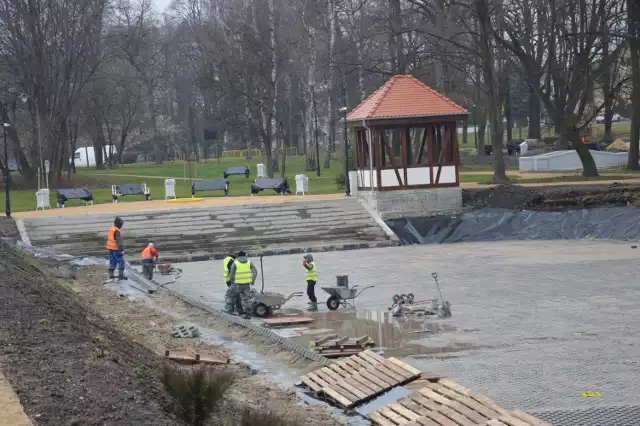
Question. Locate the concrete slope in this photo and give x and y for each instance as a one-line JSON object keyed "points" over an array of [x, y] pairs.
{"points": [[203, 233]]}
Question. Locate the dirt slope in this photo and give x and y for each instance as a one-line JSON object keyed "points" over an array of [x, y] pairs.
{"points": [[66, 365]]}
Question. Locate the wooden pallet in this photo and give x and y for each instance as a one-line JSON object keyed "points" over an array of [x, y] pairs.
{"points": [[354, 380], [334, 347], [193, 358], [446, 403]]}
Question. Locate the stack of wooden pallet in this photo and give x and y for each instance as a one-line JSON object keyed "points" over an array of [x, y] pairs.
{"points": [[333, 346], [354, 380], [446, 403]]}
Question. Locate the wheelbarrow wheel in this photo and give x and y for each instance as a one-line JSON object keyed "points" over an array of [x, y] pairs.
{"points": [[261, 310], [333, 303]]}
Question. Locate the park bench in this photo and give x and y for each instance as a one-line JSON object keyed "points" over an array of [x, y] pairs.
{"points": [[279, 185], [238, 170], [118, 191], [64, 195], [210, 185]]}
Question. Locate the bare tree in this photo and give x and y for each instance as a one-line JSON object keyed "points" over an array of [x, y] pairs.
{"points": [[633, 25]]}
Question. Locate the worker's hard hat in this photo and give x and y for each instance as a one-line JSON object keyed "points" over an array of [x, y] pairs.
{"points": [[151, 245], [118, 222], [308, 257]]}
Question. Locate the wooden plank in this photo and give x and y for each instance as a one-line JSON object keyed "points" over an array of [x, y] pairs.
{"points": [[353, 390], [457, 417], [401, 371], [309, 382], [380, 420], [480, 398], [365, 384], [382, 376], [392, 157], [468, 412], [405, 366], [195, 358], [338, 397], [348, 361], [526, 417], [338, 369], [373, 355], [362, 340], [379, 366], [424, 402], [374, 379], [403, 411], [360, 361], [512, 421], [337, 353], [319, 380], [482, 409], [416, 408], [346, 367], [426, 421], [441, 419], [325, 339], [436, 397], [456, 405], [335, 376], [494, 422], [391, 415]]}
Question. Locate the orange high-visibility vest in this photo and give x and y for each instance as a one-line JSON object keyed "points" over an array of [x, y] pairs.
{"points": [[112, 244], [146, 253]]}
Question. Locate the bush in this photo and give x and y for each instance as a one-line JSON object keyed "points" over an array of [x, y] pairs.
{"points": [[129, 157], [255, 417], [196, 392]]}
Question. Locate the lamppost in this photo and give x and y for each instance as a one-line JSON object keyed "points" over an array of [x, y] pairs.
{"points": [[347, 185], [475, 126], [5, 129]]}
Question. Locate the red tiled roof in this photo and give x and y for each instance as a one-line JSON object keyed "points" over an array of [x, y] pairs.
{"points": [[404, 96]]}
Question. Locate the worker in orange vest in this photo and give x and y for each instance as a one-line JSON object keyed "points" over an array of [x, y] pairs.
{"points": [[116, 249], [149, 259]]}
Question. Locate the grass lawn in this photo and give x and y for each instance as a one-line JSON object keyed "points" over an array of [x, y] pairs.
{"points": [[620, 130], [99, 181]]}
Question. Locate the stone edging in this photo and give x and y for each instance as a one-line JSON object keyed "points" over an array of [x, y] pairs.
{"points": [[217, 256]]}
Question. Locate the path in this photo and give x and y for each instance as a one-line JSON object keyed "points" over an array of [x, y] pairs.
{"points": [[163, 205], [10, 407], [572, 183]]}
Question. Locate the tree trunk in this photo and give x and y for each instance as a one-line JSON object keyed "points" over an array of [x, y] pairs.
{"points": [[153, 116], [589, 168], [465, 133], [633, 9], [491, 82], [481, 132], [534, 131]]}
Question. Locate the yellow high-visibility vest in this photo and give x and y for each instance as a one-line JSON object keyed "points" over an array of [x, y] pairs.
{"points": [[225, 262], [244, 275], [312, 274]]}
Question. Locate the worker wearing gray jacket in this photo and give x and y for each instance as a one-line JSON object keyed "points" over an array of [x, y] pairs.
{"points": [[242, 274]]}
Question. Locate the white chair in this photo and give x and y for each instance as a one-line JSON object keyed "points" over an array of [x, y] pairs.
{"points": [[169, 188], [302, 184], [261, 171], [42, 199]]}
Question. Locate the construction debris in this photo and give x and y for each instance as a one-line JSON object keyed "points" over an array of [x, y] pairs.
{"points": [[332, 346], [186, 331], [286, 320]]}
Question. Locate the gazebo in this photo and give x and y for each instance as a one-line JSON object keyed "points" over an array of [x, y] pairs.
{"points": [[407, 156]]}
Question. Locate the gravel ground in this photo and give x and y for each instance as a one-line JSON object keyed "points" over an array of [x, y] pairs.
{"points": [[8, 227], [534, 323]]}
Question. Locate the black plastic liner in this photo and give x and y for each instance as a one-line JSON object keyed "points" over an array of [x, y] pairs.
{"points": [[611, 223]]}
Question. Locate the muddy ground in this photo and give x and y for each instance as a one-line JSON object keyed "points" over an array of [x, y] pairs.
{"points": [[516, 197]]}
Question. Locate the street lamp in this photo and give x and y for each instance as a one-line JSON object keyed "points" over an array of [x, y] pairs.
{"points": [[347, 186], [7, 206]]}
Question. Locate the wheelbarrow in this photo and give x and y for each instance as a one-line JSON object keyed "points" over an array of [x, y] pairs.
{"points": [[343, 296], [405, 304], [264, 304]]}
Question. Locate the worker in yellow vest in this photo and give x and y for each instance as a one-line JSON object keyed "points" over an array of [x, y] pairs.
{"points": [[312, 279], [226, 268], [116, 249], [242, 275]]}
